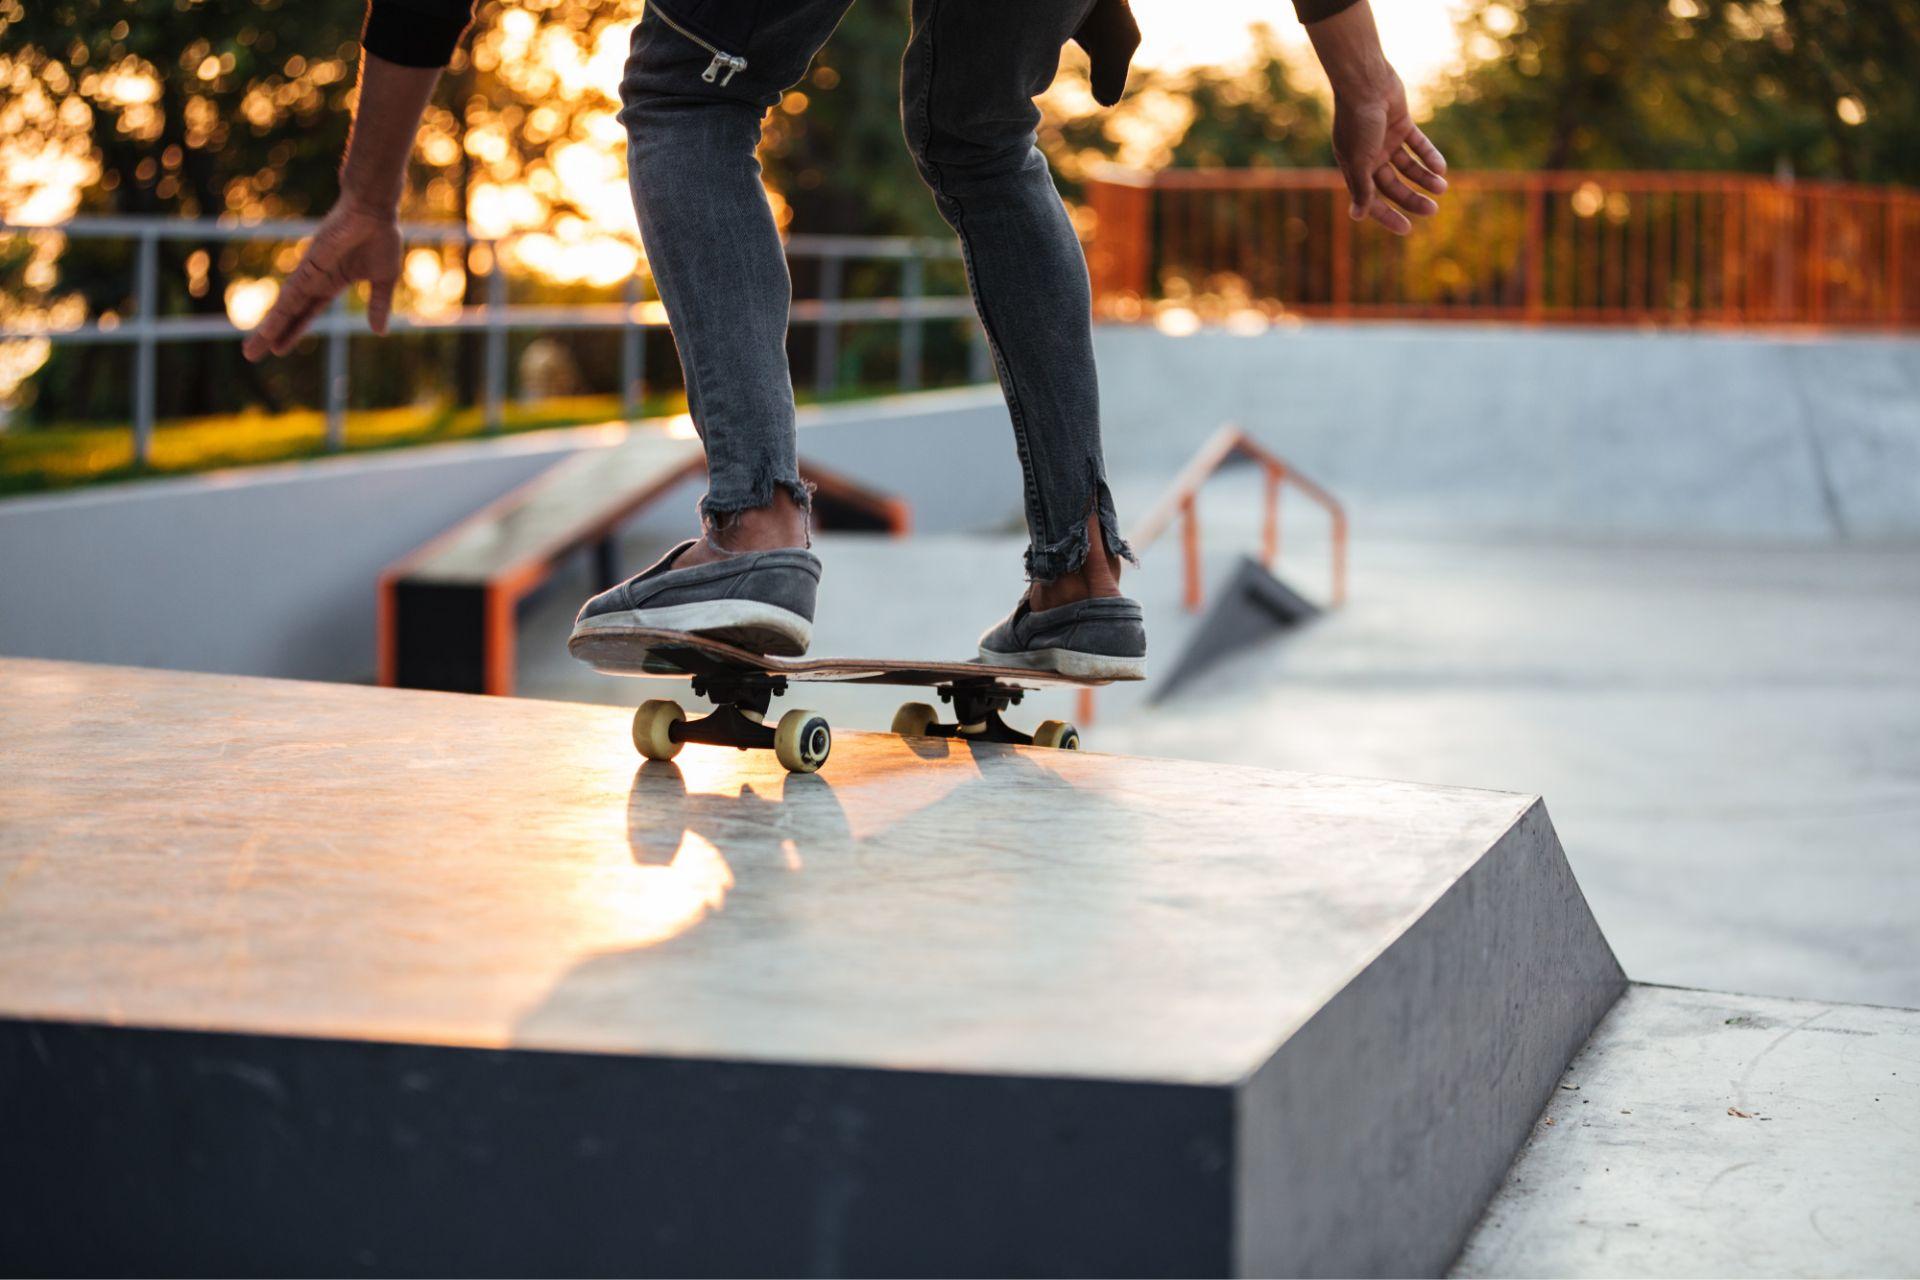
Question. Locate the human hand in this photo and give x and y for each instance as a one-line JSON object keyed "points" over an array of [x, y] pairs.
{"points": [[355, 241], [1379, 149]]}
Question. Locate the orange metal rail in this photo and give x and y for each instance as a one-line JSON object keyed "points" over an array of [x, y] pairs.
{"points": [[1703, 249], [1181, 502]]}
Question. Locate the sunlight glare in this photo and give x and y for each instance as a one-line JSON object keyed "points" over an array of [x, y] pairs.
{"points": [[248, 300], [1418, 35], [641, 906]]}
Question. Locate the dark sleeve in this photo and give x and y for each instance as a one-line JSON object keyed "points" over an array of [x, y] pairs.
{"points": [[415, 33], [1314, 10]]}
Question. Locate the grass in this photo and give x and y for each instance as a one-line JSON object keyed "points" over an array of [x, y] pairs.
{"points": [[67, 457]]}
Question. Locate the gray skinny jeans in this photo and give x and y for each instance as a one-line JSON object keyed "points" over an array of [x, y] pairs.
{"points": [[972, 69]]}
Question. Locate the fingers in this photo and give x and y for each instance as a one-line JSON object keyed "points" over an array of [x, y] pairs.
{"points": [[1390, 218], [1393, 188], [1407, 163], [1428, 153], [297, 324], [1359, 191], [379, 304], [309, 289], [1419, 160], [281, 327], [268, 335]]}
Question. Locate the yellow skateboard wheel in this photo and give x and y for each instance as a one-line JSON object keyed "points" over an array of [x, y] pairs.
{"points": [[653, 728], [1057, 734], [913, 720], [803, 741]]}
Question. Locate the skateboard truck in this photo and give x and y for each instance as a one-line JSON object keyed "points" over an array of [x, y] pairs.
{"points": [[977, 705], [739, 715], [802, 740]]}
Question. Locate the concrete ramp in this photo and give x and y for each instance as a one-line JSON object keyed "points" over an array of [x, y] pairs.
{"points": [[304, 978], [1254, 606], [1498, 429]]}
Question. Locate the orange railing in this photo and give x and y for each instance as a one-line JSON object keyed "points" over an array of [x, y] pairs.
{"points": [[1181, 501], [1541, 248]]}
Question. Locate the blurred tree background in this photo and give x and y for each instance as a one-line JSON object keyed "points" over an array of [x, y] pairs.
{"points": [[195, 108], [1817, 88]]}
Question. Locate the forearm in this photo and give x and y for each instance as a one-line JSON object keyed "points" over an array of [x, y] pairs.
{"points": [[1348, 46], [403, 48], [385, 123], [1312, 11]]}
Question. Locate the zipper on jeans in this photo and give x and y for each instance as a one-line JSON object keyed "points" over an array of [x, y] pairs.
{"points": [[723, 61]]}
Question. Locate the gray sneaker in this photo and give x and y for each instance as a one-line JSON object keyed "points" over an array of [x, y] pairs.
{"points": [[1100, 639], [758, 600]]}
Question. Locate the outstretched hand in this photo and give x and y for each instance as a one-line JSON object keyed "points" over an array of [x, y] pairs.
{"points": [[1388, 164], [1384, 156], [352, 243]]}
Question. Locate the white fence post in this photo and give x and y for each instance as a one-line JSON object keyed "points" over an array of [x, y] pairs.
{"points": [[633, 355], [496, 371], [826, 333], [337, 374], [146, 292]]}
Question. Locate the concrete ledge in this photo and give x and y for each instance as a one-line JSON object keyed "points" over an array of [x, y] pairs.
{"points": [[442, 983], [1416, 1084], [272, 570]]}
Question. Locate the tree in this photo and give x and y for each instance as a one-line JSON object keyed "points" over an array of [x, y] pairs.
{"points": [[1255, 115], [230, 119], [1821, 87]]}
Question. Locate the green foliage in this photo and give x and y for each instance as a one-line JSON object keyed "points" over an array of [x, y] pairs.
{"points": [[1257, 115], [835, 149], [1823, 87], [194, 109], [181, 108], [1253, 119]]}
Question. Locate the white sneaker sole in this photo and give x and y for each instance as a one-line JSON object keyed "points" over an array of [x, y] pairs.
{"points": [[1071, 662], [729, 620]]}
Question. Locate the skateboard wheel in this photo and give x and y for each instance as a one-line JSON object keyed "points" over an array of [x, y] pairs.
{"points": [[653, 728], [803, 741], [913, 720], [1057, 734]]}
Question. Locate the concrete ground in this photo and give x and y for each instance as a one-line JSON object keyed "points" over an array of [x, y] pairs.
{"points": [[1710, 1135], [1728, 736]]}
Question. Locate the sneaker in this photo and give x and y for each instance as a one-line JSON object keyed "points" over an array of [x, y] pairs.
{"points": [[1100, 639], [758, 600]]}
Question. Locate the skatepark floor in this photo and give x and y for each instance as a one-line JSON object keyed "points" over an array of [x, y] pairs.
{"points": [[1727, 735], [1704, 1134]]}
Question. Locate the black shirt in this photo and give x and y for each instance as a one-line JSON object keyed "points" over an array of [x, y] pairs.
{"points": [[424, 33]]}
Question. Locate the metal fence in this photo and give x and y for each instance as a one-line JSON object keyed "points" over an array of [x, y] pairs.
{"points": [[1539, 248], [145, 329]]}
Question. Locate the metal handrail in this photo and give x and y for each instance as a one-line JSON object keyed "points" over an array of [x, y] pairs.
{"points": [[145, 330], [1181, 502]]}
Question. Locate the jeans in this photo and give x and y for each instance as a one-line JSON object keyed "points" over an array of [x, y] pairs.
{"points": [[692, 107]]}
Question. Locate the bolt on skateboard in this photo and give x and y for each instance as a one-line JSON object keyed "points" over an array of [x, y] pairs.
{"points": [[742, 686]]}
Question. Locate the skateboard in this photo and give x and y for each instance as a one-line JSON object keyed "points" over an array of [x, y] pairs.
{"points": [[742, 685]]}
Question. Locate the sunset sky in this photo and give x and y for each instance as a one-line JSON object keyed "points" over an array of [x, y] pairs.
{"points": [[1418, 34]]}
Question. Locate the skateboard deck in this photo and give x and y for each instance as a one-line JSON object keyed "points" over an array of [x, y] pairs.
{"points": [[644, 651], [742, 685]]}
